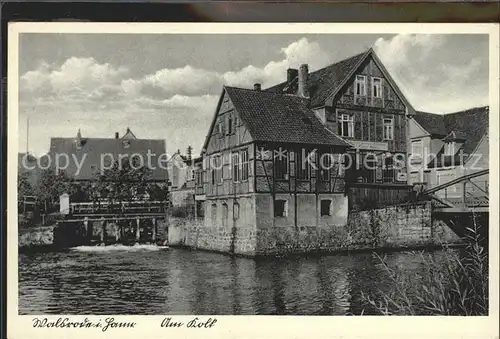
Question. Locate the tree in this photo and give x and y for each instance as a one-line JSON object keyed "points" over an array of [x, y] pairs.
{"points": [[23, 186], [123, 181], [157, 192], [51, 186]]}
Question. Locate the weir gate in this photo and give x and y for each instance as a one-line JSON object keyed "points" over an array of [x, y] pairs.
{"points": [[111, 222]]}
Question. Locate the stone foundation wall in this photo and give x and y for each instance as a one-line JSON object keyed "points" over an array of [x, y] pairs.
{"points": [[392, 227], [193, 233]]}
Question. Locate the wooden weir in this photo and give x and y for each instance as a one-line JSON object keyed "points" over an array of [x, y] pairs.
{"points": [[117, 222]]}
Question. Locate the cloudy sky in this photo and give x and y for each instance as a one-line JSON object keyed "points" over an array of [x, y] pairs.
{"points": [[166, 86]]}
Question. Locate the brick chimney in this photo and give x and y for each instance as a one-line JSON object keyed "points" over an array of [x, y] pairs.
{"points": [[256, 87], [303, 77], [291, 74], [117, 135]]}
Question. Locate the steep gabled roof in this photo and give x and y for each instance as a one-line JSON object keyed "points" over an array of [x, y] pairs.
{"points": [[323, 82], [469, 125], [95, 148], [328, 81], [280, 118], [432, 123]]}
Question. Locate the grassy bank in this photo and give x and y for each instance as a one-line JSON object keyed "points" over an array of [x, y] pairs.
{"points": [[457, 284]]}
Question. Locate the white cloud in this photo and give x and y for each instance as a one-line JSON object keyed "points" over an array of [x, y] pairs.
{"points": [[431, 85], [396, 52], [295, 54], [461, 72], [184, 81], [75, 75], [81, 79], [203, 102]]}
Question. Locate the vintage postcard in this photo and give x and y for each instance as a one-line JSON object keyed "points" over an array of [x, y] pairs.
{"points": [[236, 181]]}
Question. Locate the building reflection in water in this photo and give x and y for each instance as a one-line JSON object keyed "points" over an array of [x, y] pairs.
{"points": [[191, 282]]}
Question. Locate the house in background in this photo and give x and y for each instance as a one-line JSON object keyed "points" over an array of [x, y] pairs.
{"points": [[91, 153], [358, 100], [199, 195], [445, 147], [182, 180]]}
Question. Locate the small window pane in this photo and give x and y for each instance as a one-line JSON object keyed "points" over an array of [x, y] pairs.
{"points": [[326, 207], [280, 207]]}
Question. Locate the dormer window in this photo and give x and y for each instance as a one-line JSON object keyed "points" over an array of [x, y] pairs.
{"points": [[449, 148], [360, 85], [376, 87], [126, 143]]}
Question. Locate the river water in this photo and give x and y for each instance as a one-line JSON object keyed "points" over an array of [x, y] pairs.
{"points": [[150, 280]]}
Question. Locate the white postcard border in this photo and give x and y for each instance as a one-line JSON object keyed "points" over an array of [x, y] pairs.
{"points": [[255, 326]]}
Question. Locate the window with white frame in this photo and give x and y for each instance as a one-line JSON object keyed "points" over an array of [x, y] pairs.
{"points": [[377, 87], [346, 125], [236, 166], [244, 165], [360, 85], [217, 175], [388, 129], [199, 177], [417, 149]]}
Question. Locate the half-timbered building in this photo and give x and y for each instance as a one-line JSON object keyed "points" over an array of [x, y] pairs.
{"points": [[358, 100], [295, 157], [261, 164]]}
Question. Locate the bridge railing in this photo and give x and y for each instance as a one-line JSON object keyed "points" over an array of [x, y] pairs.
{"points": [[117, 207], [466, 191]]}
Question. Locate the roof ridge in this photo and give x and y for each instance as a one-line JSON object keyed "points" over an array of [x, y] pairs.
{"points": [[479, 109], [335, 63], [101, 138], [343, 60], [285, 95]]}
